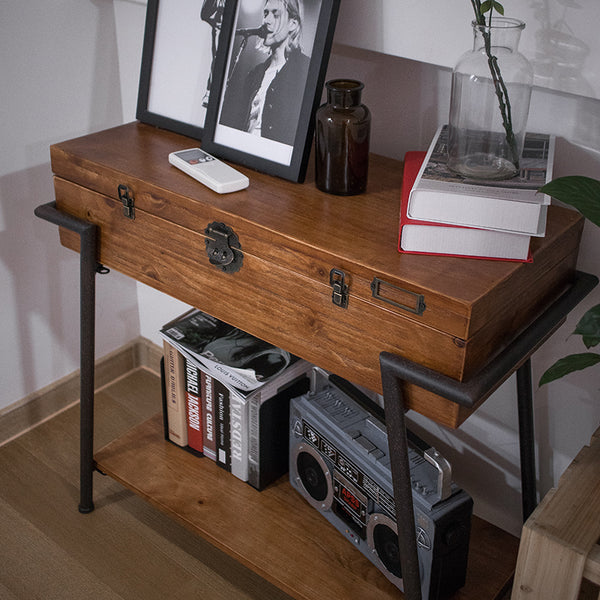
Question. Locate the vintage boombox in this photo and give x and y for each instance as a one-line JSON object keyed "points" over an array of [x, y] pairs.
{"points": [[339, 462]]}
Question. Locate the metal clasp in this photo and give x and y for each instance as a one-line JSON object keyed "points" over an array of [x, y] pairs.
{"points": [[126, 197], [223, 247], [337, 280]]}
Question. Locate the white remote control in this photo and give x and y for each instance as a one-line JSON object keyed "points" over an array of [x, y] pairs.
{"points": [[209, 170]]}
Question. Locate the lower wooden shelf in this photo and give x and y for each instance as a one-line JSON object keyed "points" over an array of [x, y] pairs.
{"points": [[275, 532]]}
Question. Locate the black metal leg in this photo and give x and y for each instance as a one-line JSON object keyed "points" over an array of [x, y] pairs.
{"points": [[526, 439], [405, 519], [88, 266], [396, 369], [87, 356]]}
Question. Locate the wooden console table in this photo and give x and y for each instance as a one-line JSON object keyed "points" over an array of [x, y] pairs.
{"points": [[320, 276]]}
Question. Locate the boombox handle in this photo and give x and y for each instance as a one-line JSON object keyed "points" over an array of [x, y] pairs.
{"points": [[396, 370]]}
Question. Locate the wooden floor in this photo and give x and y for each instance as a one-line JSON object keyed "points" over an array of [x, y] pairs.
{"points": [[125, 548]]}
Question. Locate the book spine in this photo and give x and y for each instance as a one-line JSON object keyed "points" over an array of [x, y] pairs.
{"points": [[221, 399], [254, 441], [175, 394], [208, 415], [194, 408], [239, 436]]}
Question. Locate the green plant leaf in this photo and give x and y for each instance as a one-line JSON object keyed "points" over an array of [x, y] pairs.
{"points": [[491, 5], [568, 364], [583, 193], [589, 327]]}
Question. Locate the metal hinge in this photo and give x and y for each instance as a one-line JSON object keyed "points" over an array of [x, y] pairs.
{"points": [[337, 280], [126, 197]]}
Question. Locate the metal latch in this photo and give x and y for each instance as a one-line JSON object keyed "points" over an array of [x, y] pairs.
{"points": [[223, 247], [126, 197], [337, 280]]}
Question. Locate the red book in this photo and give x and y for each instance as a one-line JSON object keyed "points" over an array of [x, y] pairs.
{"points": [[427, 237], [193, 396]]}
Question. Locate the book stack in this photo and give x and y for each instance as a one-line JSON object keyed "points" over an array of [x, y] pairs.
{"points": [[227, 394], [446, 214]]}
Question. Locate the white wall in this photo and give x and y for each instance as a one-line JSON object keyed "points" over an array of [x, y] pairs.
{"points": [[60, 79], [74, 68], [561, 38]]}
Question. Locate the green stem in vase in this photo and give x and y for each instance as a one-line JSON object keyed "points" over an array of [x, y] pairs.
{"points": [[501, 91]]}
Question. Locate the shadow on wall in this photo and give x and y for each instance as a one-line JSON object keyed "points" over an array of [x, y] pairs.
{"points": [[72, 87], [561, 56], [37, 273], [408, 99]]}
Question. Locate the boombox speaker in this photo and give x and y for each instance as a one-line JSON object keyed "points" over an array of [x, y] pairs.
{"points": [[339, 463]]}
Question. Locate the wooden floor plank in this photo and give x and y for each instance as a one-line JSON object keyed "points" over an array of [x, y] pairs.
{"points": [[125, 548], [34, 566]]}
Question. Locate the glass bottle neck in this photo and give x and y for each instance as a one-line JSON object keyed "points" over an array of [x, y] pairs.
{"points": [[344, 93], [502, 33]]}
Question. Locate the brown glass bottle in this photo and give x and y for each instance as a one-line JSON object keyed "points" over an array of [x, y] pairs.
{"points": [[343, 127]]}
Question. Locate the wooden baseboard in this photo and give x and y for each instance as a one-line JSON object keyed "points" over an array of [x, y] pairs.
{"points": [[42, 405]]}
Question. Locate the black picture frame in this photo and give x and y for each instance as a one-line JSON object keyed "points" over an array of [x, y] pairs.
{"points": [[284, 150], [178, 56]]}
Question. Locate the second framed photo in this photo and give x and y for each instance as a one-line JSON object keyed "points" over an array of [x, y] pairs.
{"points": [[269, 75], [180, 48]]}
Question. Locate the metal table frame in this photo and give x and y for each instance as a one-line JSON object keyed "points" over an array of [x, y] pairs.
{"points": [[515, 358], [395, 370]]}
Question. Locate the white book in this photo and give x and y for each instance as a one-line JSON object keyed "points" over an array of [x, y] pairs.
{"points": [[464, 241], [512, 205]]}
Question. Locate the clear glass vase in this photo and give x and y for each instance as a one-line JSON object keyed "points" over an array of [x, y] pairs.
{"points": [[489, 106]]}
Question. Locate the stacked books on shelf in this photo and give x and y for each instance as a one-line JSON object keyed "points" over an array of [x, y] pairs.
{"points": [[444, 213], [226, 396]]}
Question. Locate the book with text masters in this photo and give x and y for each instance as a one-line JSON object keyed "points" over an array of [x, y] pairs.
{"points": [[426, 237], [512, 205]]}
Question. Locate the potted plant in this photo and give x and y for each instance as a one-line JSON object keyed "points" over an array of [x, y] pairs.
{"points": [[583, 193]]}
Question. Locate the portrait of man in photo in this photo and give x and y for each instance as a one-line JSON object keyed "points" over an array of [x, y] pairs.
{"points": [[265, 99]]}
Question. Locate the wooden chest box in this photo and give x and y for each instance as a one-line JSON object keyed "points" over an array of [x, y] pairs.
{"points": [[273, 260]]}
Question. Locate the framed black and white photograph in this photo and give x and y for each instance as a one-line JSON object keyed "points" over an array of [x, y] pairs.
{"points": [[180, 46], [269, 79]]}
